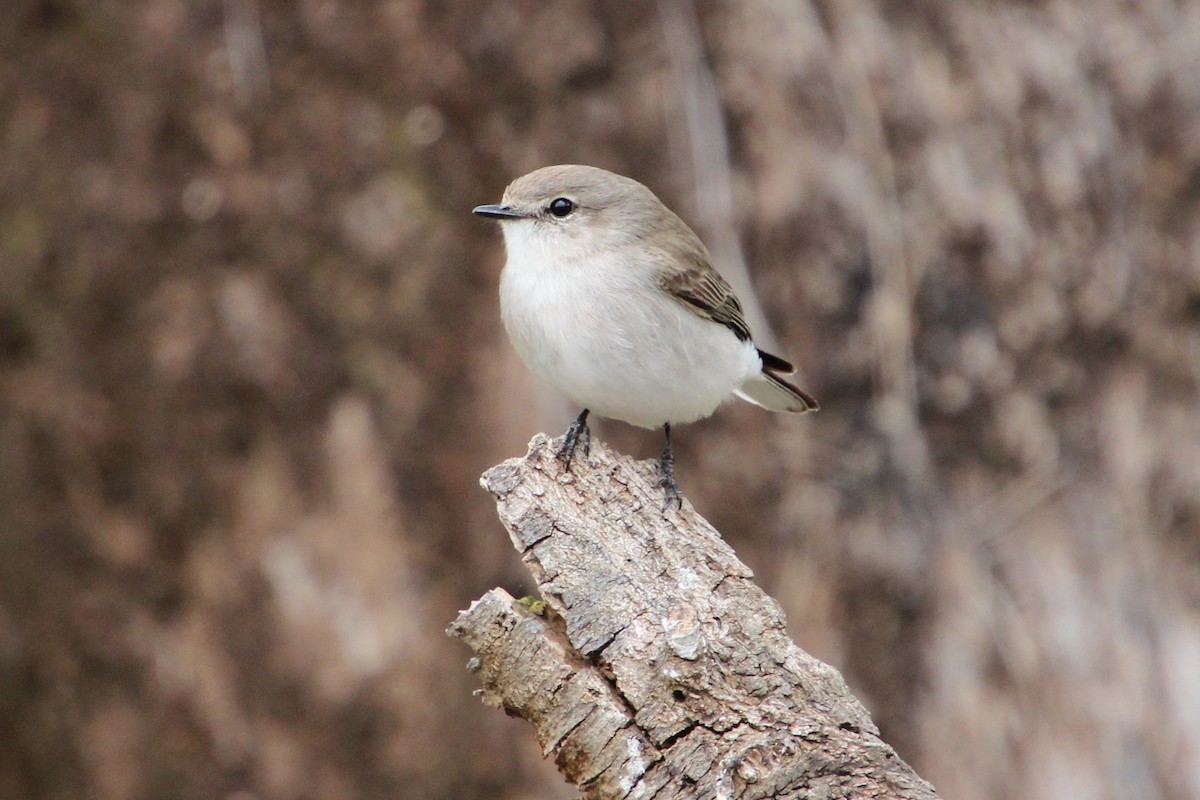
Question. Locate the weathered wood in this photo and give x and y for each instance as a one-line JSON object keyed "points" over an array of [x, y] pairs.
{"points": [[660, 669]]}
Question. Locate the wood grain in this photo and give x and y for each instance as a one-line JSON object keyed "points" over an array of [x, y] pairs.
{"points": [[656, 667]]}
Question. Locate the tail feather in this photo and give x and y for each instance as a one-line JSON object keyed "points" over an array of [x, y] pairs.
{"points": [[776, 364], [775, 394]]}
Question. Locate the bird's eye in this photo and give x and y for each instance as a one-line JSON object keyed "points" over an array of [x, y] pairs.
{"points": [[561, 206]]}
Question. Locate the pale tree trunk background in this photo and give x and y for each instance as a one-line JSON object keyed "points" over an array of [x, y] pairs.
{"points": [[251, 368]]}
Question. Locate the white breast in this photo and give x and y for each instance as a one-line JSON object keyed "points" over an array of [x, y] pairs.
{"points": [[608, 338]]}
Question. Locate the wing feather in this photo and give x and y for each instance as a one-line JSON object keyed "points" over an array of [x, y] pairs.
{"points": [[705, 293]]}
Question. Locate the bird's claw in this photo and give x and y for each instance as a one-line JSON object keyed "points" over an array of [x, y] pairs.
{"points": [[576, 435], [672, 495]]}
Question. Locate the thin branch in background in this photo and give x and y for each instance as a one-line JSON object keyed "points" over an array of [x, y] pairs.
{"points": [[247, 51], [893, 275], [704, 124], [1019, 498]]}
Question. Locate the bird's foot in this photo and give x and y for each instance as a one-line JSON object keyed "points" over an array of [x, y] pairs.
{"points": [[577, 435], [672, 496]]}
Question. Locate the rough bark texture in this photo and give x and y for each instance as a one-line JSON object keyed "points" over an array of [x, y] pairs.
{"points": [[660, 669]]}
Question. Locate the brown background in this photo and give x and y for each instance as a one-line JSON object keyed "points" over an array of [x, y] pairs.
{"points": [[251, 366]]}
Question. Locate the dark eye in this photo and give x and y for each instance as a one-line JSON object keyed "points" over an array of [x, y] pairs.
{"points": [[561, 206]]}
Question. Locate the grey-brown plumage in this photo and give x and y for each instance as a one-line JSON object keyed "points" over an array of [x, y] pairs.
{"points": [[611, 298], [703, 291]]}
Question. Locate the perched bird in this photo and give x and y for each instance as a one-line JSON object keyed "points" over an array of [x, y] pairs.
{"points": [[612, 300]]}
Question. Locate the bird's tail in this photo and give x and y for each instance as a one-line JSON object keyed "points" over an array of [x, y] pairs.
{"points": [[775, 394]]}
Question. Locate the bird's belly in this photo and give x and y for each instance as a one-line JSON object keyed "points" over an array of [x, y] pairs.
{"points": [[644, 361]]}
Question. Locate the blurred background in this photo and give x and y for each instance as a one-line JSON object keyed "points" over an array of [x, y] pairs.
{"points": [[251, 366]]}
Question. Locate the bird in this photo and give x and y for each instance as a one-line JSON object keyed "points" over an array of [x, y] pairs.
{"points": [[612, 300]]}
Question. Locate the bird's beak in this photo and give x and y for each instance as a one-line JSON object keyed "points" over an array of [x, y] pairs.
{"points": [[499, 211]]}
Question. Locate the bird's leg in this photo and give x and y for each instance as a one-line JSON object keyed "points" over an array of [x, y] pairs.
{"points": [[577, 434], [666, 474]]}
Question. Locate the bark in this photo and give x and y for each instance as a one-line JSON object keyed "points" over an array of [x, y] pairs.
{"points": [[655, 666]]}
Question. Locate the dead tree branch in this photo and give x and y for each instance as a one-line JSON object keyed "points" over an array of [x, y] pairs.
{"points": [[657, 668]]}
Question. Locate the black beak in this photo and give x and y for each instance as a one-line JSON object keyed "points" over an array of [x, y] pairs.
{"points": [[498, 211]]}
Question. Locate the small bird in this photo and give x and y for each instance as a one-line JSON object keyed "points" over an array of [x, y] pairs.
{"points": [[612, 300]]}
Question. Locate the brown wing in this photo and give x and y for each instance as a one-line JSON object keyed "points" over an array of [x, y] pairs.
{"points": [[708, 295]]}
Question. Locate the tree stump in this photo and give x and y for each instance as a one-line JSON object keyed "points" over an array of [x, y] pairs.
{"points": [[655, 667]]}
